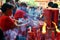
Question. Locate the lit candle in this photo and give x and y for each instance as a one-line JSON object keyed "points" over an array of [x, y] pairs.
{"points": [[43, 31], [44, 28], [57, 30]]}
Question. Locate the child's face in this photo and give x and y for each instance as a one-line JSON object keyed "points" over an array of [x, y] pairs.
{"points": [[9, 12]]}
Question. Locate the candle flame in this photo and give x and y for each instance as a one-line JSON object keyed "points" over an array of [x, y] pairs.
{"points": [[44, 28], [56, 27]]}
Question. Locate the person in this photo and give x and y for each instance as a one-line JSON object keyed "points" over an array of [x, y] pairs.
{"points": [[31, 12], [50, 4], [48, 18], [5, 22], [15, 7], [56, 12], [55, 5], [23, 6], [21, 11], [47, 14], [8, 1], [17, 4], [38, 13], [19, 14]]}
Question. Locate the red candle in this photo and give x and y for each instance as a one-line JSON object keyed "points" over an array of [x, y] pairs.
{"points": [[38, 35], [58, 36], [30, 34], [53, 35], [34, 33]]}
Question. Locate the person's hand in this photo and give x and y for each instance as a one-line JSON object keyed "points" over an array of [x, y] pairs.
{"points": [[41, 16]]}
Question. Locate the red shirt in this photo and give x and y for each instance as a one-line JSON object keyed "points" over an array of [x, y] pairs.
{"points": [[6, 23], [19, 14], [51, 15], [56, 12], [47, 16]]}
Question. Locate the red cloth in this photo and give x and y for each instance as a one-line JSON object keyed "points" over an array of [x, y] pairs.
{"points": [[51, 15], [19, 14], [47, 17], [6, 23], [56, 12]]}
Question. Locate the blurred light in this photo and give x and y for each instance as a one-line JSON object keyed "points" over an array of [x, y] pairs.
{"points": [[44, 28], [56, 27]]}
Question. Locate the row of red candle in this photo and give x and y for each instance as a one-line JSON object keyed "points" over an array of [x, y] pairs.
{"points": [[36, 35]]}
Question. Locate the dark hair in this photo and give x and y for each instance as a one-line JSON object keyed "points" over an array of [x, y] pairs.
{"points": [[32, 7], [2, 37], [16, 0], [23, 4], [50, 4], [6, 6], [55, 5], [7, 0]]}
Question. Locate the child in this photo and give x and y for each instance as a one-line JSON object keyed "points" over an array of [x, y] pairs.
{"points": [[6, 23]]}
